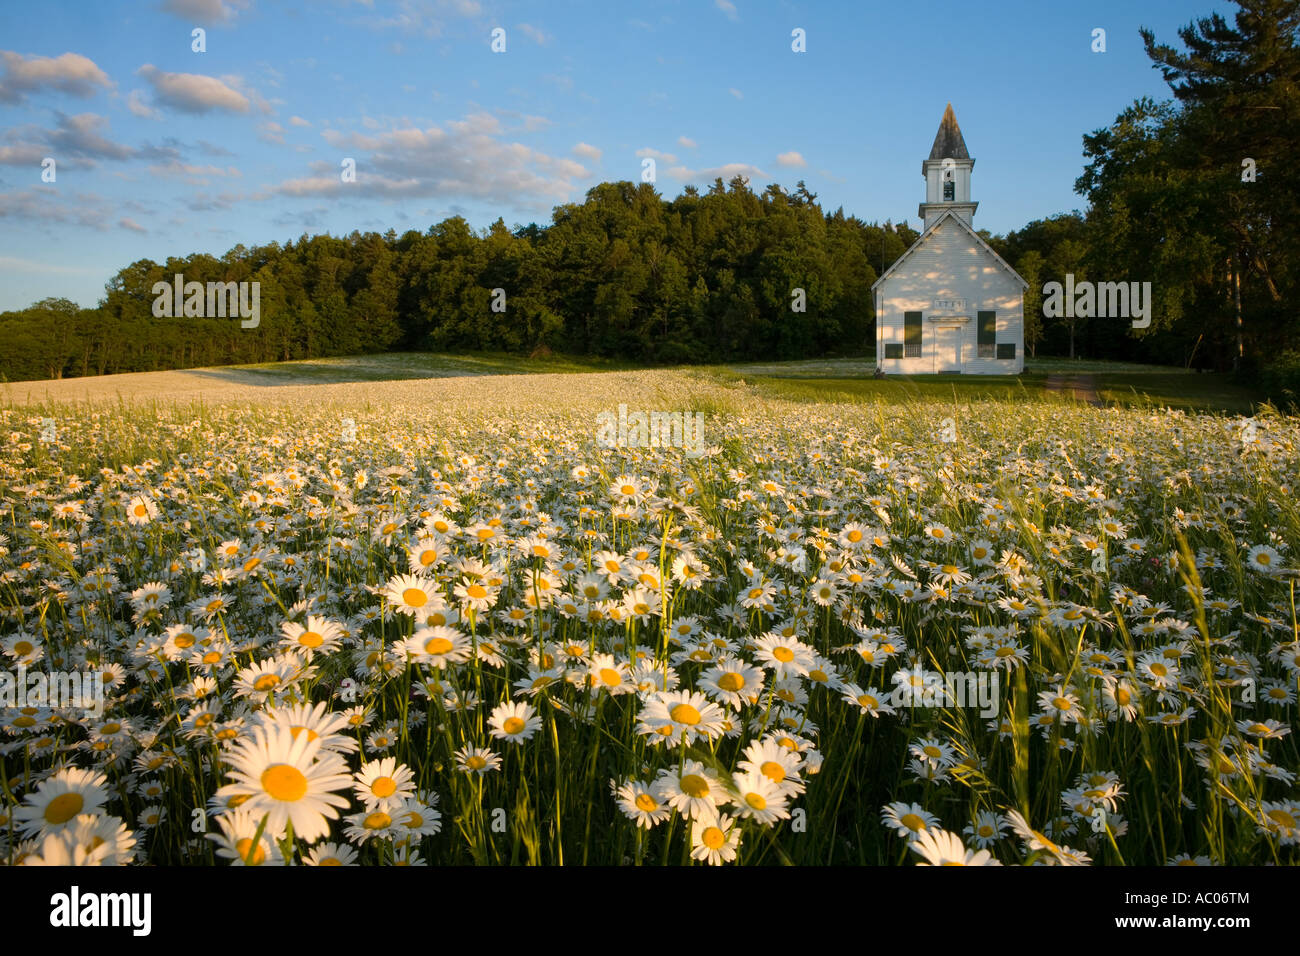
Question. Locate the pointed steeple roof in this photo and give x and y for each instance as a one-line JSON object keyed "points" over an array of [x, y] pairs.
{"points": [[948, 142]]}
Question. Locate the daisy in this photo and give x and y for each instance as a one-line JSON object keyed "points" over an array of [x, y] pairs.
{"points": [[477, 760], [515, 722], [409, 593], [941, 848], [140, 510], [382, 784], [370, 825], [291, 779], [787, 656], [642, 803], [235, 841], [317, 722], [715, 839], [417, 819], [438, 647], [605, 673], [1060, 704], [330, 854], [318, 634], [692, 791], [908, 819], [759, 797], [475, 595], [266, 678], [1264, 558], [59, 799], [681, 716], [987, 828], [732, 682], [88, 840]]}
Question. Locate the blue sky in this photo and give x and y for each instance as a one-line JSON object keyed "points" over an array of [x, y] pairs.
{"points": [[162, 151]]}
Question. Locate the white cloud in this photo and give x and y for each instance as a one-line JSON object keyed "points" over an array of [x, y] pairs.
{"points": [[206, 11], [725, 173], [131, 224], [75, 138], [533, 33], [467, 158], [656, 154], [271, 132], [193, 92], [587, 151], [195, 175], [67, 73], [736, 93], [298, 121], [425, 17], [727, 7], [687, 142], [790, 160], [54, 204], [136, 104]]}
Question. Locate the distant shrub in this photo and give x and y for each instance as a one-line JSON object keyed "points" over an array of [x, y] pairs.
{"points": [[1280, 378]]}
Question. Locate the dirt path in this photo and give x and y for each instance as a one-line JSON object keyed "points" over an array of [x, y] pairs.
{"points": [[1079, 387]]}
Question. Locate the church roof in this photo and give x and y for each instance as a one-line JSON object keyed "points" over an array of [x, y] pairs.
{"points": [[948, 142], [925, 237]]}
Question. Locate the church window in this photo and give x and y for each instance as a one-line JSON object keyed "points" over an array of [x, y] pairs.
{"points": [[912, 334], [949, 190], [986, 336]]}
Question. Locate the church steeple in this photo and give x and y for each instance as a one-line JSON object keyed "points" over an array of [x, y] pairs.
{"points": [[947, 174], [948, 142]]}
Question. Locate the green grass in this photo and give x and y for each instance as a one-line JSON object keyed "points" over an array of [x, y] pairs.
{"points": [[1124, 384]]}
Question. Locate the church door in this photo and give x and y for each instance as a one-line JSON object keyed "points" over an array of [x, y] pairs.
{"points": [[947, 349]]}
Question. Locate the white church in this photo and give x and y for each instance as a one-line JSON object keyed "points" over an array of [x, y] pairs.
{"points": [[950, 303]]}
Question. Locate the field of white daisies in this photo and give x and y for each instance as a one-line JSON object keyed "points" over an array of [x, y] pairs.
{"points": [[456, 630]]}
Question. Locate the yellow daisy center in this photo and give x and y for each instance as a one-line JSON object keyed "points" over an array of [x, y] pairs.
{"points": [[284, 782], [243, 846], [685, 714], [693, 785], [63, 808], [731, 682]]}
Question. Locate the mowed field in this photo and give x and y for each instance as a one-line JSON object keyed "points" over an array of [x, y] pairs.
{"points": [[409, 610]]}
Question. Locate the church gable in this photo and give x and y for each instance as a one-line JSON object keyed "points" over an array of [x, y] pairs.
{"points": [[946, 243]]}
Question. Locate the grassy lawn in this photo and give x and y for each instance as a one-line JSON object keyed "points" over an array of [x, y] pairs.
{"points": [[1121, 383]]}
